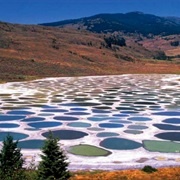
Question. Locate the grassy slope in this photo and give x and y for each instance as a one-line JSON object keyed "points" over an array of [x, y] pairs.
{"points": [[28, 52]]}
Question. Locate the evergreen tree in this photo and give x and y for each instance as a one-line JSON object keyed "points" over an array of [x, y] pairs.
{"points": [[54, 162], [11, 160]]}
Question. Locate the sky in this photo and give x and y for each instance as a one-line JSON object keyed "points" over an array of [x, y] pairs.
{"points": [[42, 11]]}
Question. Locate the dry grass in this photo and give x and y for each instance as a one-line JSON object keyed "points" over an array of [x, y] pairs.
{"points": [[162, 174]]}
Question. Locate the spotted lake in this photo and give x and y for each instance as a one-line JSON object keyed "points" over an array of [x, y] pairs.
{"points": [[103, 122]]}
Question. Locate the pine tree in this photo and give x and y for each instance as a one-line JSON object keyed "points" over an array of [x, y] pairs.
{"points": [[54, 162], [11, 161]]}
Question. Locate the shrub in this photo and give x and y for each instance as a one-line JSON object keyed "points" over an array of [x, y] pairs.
{"points": [[149, 169]]}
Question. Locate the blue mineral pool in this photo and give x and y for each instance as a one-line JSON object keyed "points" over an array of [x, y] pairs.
{"points": [[172, 136], [10, 117], [96, 118], [110, 125], [33, 119], [16, 136], [120, 144], [8, 125], [66, 134], [20, 112], [137, 127], [172, 120], [167, 127], [65, 118], [139, 119], [100, 111], [46, 124], [130, 131], [54, 110], [167, 113], [120, 121], [77, 113], [107, 134], [79, 124], [78, 109], [31, 144]]}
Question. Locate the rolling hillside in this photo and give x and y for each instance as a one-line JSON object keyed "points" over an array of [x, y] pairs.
{"points": [[32, 51]]}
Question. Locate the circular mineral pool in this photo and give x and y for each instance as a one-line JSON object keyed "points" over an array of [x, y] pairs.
{"points": [[125, 108], [167, 127], [45, 114], [167, 113], [145, 103], [10, 117], [78, 109], [120, 144], [129, 131], [46, 124], [20, 112], [99, 111], [162, 146], [77, 113], [81, 104], [139, 119], [137, 127], [54, 110], [111, 125], [33, 119], [107, 134], [172, 136], [120, 115], [16, 136], [47, 106], [8, 125], [129, 112], [79, 124], [103, 107], [66, 134], [96, 118], [120, 121], [172, 120], [31, 144], [66, 118], [95, 129], [88, 150]]}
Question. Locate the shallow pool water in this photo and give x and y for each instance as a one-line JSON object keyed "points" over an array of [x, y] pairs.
{"points": [[16, 136], [66, 134], [119, 144]]}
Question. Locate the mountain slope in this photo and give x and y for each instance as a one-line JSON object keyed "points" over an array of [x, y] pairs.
{"points": [[134, 22], [28, 51]]}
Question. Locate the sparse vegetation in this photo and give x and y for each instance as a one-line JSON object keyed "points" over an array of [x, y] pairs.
{"points": [[114, 40], [175, 43]]}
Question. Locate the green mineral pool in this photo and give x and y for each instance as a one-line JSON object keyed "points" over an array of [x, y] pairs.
{"points": [[88, 150]]}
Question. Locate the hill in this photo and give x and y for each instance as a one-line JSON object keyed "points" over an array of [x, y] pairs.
{"points": [[133, 22], [32, 51]]}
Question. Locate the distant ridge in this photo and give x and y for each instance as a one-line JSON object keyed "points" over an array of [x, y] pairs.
{"points": [[132, 22]]}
